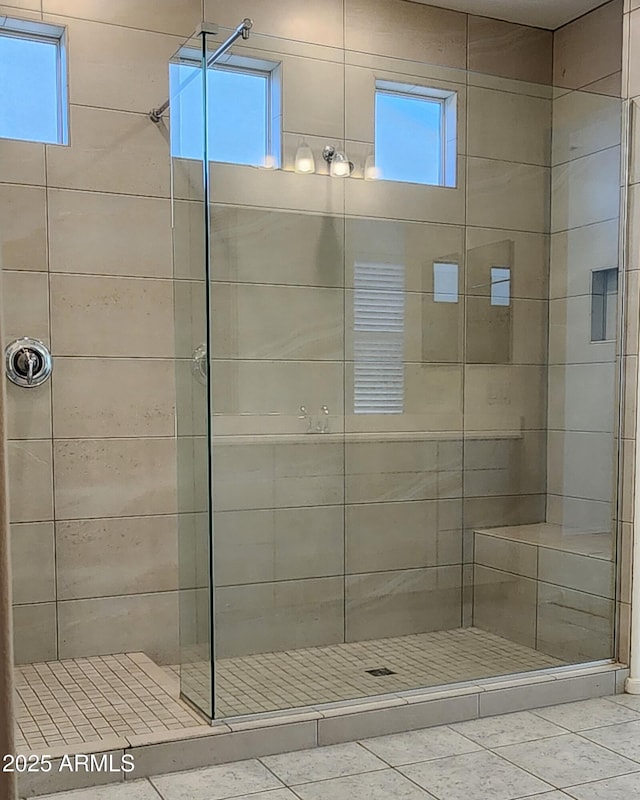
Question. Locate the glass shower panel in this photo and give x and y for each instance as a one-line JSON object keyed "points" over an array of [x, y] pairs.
{"points": [[540, 394], [398, 434], [190, 238]]}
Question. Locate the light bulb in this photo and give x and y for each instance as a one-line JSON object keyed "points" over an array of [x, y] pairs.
{"points": [[305, 163], [371, 172], [269, 162], [340, 165]]}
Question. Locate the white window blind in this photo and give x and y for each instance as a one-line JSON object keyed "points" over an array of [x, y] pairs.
{"points": [[378, 338]]}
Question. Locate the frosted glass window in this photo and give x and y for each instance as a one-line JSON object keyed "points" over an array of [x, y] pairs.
{"points": [[240, 111], [415, 134], [378, 338], [445, 282], [500, 286], [33, 96], [604, 304]]}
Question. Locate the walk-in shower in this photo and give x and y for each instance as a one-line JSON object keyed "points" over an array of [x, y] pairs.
{"points": [[396, 397]]}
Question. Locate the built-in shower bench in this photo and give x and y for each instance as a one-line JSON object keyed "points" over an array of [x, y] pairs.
{"points": [[547, 586]]}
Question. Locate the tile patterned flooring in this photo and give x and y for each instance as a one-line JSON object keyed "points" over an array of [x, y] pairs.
{"points": [[87, 699], [589, 750], [308, 677], [83, 700]]}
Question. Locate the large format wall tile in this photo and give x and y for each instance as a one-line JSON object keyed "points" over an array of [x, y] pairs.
{"points": [[584, 123], [582, 397], [507, 195], [581, 464], [508, 126], [402, 603], [25, 305], [133, 623], [253, 322], [573, 625], [319, 24], [509, 50], [252, 245], [34, 633], [114, 477], [285, 544], [313, 97], [23, 233], [287, 615], [499, 397], [33, 558], [397, 536], [406, 30], [30, 480], [22, 162], [135, 554], [101, 398], [28, 415], [111, 151], [598, 34], [576, 252], [117, 67], [505, 604], [586, 190], [109, 234], [178, 16], [96, 316]]}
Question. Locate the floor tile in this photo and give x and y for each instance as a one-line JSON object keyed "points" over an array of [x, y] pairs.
{"points": [[369, 786], [273, 794], [631, 701], [626, 787], [217, 783], [336, 761], [567, 760], [622, 739], [587, 714], [475, 776], [408, 748], [507, 729], [131, 790]]}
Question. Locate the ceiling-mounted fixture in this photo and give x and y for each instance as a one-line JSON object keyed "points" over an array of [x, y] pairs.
{"points": [[339, 164]]}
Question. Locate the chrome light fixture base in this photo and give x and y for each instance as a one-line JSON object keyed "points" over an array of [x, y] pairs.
{"points": [[339, 164]]}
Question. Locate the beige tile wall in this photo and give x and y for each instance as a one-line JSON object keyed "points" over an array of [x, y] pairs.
{"points": [[585, 206], [88, 244]]}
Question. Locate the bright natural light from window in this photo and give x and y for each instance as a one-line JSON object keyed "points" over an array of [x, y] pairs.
{"points": [[415, 134], [378, 338], [33, 82], [500, 286], [239, 110], [445, 282]]}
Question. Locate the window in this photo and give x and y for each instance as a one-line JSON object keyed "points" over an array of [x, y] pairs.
{"points": [[415, 134], [33, 87], [604, 301], [500, 286], [378, 338], [445, 282], [243, 111]]}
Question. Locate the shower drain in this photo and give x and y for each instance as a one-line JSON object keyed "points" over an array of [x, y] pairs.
{"points": [[377, 673]]}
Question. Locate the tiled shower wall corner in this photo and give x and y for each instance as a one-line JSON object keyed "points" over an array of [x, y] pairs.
{"points": [[87, 256]]}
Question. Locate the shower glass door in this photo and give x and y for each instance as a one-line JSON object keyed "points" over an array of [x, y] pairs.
{"points": [[381, 430], [187, 77]]}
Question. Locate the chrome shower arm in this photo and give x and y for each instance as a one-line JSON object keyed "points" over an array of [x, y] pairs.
{"points": [[243, 30]]}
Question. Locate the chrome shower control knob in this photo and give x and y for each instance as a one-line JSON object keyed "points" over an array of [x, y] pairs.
{"points": [[28, 362]]}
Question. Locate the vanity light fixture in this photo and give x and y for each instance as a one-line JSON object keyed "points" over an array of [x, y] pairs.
{"points": [[371, 172], [339, 164], [304, 163]]}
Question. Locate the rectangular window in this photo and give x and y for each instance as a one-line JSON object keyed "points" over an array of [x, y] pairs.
{"points": [[445, 282], [604, 304], [415, 134], [242, 107], [500, 286], [378, 338], [33, 82]]}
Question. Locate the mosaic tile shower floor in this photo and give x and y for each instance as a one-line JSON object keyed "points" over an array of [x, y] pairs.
{"points": [[87, 699], [309, 677]]}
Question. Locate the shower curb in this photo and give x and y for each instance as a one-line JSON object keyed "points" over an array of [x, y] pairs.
{"points": [[259, 735]]}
